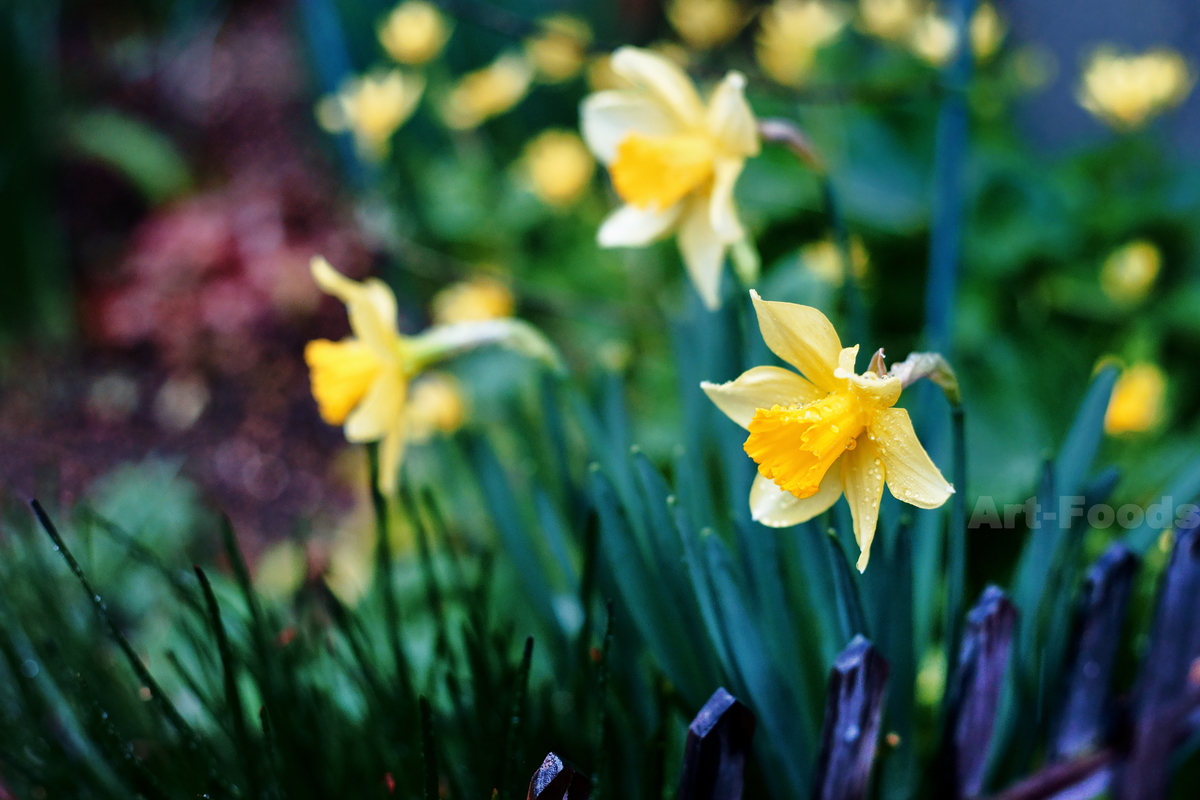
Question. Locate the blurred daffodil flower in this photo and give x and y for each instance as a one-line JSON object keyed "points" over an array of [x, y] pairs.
{"points": [[436, 406], [478, 96], [823, 260], [474, 300], [704, 24], [792, 31], [1129, 272], [372, 108], [827, 433], [888, 19], [560, 50], [362, 382], [933, 38], [1138, 401], [1126, 91], [558, 167], [414, 32], [986, 31], [673, 161]]}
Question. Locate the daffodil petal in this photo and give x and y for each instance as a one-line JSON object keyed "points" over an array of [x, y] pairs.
{"points": [[379, 410], [391, 451], [721, 210], [730, 119], [862, 480], [775, 508], [760, 387], [630, 226], [607, 118], [703, 252], [370, 305], [801, 336], [911, 474], [661, 76]]}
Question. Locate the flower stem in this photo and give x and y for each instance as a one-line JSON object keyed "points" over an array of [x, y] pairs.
{"points": [[956, 541]]}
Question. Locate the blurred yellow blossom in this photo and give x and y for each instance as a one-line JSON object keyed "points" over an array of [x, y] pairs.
{"points": [[888, 19], [673, 160], [436, 406], [414, 32], [1126, 91], [1138, 401], [362, 382], [933, 38], [986, 31], [673, 52], [706, 23], [372, 108], [558, 167], [823, 260], [472, 301], [488, 92], [792, 31], [559, 51], [1129, 272], [281, 570], [827, 431]]}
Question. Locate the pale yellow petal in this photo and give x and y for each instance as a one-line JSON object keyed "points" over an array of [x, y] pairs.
{"points": [[721, 210], [607, 118], [391, 452], [669, 84], [801, 336], [379, 410], [703, 252], [862, 480], [775, 508], [630, 226], [911, 474], [760, 387], [730, 119], [370, 305]]}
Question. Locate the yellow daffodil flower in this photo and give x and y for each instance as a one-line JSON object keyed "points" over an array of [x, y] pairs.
{"points": [[362, 381], [560, 50], [558, 167], [792, 31], [473, 300], [489, 92], [1138, 401], [823, 260], [673, 161], [1128, 91], [986, 31], [372, 108], [704, 24], [414, 32], [826, 432], [436, 406], [888, 19], [933, 38], [1129, 272]]}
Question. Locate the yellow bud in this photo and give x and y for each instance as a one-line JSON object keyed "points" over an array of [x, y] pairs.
{"points": [[791, 33], [559, 51], [472, 301], [414, 32], [1138, 401], [488, 92], [704, 24], [558, 167], [1129, 272], [1126, 91]]}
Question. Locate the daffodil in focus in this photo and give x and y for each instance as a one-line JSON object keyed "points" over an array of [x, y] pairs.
{"points": [[436, 406], [372, 108], [1128, 91], [1129, 272], [933, 38], [362, 382], [827, 431], [704, 24], [474, 300], [558, 167], [559, 51], [414, 32], [887, 19], [792, 31], [489, 92], [986, 31], [1138, 401], [673, 160]]}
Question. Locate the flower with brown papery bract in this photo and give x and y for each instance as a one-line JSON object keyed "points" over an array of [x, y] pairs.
{"points": [[827, 432], [1127, 91], [1138, 402]]}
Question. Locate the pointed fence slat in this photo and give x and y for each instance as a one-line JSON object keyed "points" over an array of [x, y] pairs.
{"points": [[718, 745], [557, 780], [1104, 599], [975, 693], [853, 709], [1167, 688]]}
